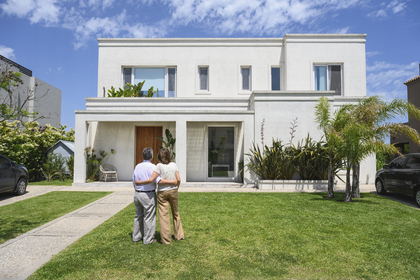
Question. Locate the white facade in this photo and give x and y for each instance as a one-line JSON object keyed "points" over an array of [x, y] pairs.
{"points": [[219, 87]]}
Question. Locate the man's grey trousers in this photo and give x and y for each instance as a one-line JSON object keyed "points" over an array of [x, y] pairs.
{"points": [[145, 220]]}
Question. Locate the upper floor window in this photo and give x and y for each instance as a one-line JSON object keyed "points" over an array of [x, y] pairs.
{"points": [[328, 77], [246, 78], [203, 77], [275, 78], [162, 79]]}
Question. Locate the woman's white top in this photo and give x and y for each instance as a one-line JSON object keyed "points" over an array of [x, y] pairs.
{"points": [[166, 171]]}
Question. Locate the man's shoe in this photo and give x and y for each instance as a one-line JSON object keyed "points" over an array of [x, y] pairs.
{"points": [[154, 241]]}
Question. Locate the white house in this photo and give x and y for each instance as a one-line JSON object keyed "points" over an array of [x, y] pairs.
{"points": [[214, 95]]}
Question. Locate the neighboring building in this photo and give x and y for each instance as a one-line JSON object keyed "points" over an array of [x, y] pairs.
{"points": [[63, 148], [214, 95], [413, 95], [45, 99]]}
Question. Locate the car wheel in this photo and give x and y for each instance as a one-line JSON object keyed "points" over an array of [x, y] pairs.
{"points": [[417, 196], [21, 186], [380, 187]]}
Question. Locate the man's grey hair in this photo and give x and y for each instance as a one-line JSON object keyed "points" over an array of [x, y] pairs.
{"points": [[147, 153]]}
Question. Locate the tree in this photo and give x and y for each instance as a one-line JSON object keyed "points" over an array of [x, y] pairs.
{"points": [[10, 108], [372, 118], [329, 126], [357, 130]]}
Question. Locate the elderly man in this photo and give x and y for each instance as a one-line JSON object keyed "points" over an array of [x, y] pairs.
{"points": [[145, 200]]}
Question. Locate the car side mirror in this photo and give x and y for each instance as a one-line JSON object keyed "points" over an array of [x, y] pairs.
{"points": [[386, 167]]}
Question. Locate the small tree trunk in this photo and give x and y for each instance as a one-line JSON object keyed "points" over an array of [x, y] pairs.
{"points": [[330, 193], [356, 181], [347, 197]]}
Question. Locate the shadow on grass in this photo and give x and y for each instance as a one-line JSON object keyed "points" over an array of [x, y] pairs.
{"points": [[339, 197], [18, 228]]}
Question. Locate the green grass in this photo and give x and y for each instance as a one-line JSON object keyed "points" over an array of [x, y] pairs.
{"points": [[23, 216], [66, 182], [256, 236]]}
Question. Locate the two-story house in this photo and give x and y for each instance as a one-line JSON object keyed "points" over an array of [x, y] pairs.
{"points": [[214, 96]]}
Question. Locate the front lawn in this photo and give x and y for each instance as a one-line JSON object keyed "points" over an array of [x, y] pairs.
{"points": [[23, 216], [256, 236], [66, 182]]}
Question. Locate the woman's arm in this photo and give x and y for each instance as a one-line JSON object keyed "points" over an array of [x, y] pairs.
{"points": [[151, 180]]}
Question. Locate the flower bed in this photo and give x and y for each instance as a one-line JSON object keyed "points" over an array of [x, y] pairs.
{"points": [[297, 185]]}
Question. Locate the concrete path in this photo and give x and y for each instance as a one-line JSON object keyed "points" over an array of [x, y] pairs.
{"points": [[23, 255]]}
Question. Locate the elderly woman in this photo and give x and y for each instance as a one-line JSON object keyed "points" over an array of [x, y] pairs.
{"points": [[167, 196]]}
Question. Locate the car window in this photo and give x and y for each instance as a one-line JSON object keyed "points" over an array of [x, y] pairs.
{"points": [[4, 163], [397, 163], [413, 163]]}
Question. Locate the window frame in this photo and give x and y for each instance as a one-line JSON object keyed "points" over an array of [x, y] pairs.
{"points": [[166, 90], [199, 90], [328, 76], [271, 77], [241, 79], [235, 151]]}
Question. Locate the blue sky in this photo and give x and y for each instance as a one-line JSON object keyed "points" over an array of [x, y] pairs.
{"points": [[56, 39]]}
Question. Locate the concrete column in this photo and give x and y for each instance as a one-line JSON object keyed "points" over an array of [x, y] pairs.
{"points": [[79, 150], [248, 130], [181, 148]]}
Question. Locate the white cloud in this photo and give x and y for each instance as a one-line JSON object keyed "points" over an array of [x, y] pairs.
{"points": [[370, 54], [46, 10], [36, 10], [387, 79], [397, 6], [20, 8], [7, 52], [254, 17]]}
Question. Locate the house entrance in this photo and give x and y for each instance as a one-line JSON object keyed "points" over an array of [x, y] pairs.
{"points": [[146, 137]]}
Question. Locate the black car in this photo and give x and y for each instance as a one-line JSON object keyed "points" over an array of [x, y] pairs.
{"points": [[13, 176], [401, 175]]}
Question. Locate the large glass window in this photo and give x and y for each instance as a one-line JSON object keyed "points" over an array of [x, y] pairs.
{"points": [[328, 77], [275, 78], [203, 76], [221, 151], [162, 79]]}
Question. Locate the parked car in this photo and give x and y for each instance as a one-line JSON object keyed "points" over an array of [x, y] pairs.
{"points": [[402, 175], [13, 176]]}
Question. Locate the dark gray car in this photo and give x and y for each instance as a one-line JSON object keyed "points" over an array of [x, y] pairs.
{"points": [[402, 175], [13, 176]]}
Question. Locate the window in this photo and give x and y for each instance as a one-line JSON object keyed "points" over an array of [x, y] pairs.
{"points": [[203, 77], [413, 162], [221, 151], [328, 77], [246, 78], [397, 163], [275, 78], [162, 79]]}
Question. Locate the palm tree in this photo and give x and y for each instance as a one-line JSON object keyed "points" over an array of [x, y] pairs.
{"points": [[329, 126], [355, 131]]}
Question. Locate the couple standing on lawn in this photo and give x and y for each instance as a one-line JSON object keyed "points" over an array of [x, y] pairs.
{"points": [[145, 178]]}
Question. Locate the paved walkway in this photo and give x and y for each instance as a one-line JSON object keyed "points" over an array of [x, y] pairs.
{"points": [[23, 255]]}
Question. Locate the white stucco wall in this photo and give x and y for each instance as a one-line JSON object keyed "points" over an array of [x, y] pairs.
{"points": [[189, 114], [303, 51], [223, 56]]}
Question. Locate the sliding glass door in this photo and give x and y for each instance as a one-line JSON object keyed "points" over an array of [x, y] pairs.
{"points": [[221, 153]]}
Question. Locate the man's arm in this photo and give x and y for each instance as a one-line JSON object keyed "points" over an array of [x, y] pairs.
{"points": [[150, 180], [173, 182]]}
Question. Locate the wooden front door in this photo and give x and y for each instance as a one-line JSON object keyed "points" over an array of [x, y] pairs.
{"points": [[146, 137]]}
